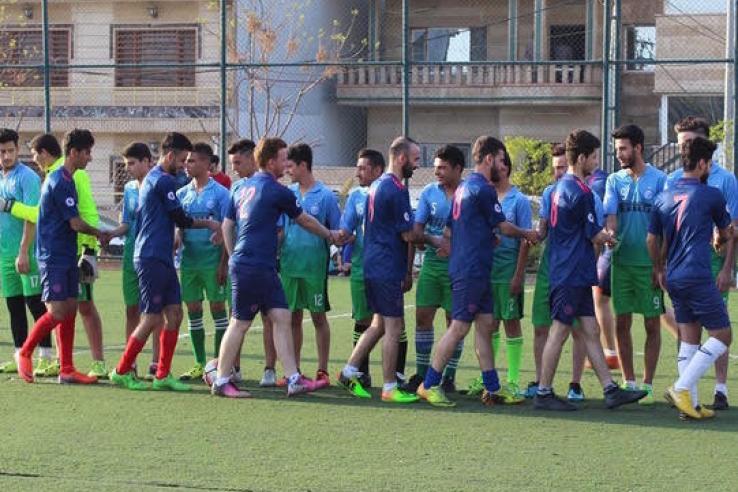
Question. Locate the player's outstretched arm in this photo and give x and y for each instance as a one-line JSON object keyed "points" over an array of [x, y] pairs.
{"points": [[725, 276], [657, 251], [309, 222], [79, 225], [119, 231], [228, 236], [19, 210], [512, 230]]}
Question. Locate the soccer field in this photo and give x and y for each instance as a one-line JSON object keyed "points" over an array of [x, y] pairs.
{"points": [[104, 438]]}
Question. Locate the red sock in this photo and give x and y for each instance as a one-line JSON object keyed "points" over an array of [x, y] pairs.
{"points": [[133, 348], [66, 339], [167, 344], [41, 329]]}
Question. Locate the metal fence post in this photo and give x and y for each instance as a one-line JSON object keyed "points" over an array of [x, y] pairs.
{"points": [[47, 74], [734, 117], [605, 133], [405, 67], [223, 81]]}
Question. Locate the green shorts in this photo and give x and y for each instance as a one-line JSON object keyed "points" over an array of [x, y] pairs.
{"points": [[15, 284], [359, 305], [633, 291], [716, 264], [196, 282], [131, 296], [541, 316], [306, 293], [434, 287], [505, 306]]}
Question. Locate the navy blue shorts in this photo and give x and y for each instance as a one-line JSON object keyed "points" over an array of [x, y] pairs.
{"points": [[59, 282], [470, 297], [255, 290], [158, 284], [570, 303], [701, 302], [604, 266], [385, 297]]}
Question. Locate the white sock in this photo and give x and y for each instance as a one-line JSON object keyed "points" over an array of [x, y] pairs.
{"points": [[389, 386], [686, 352], [700, 363], [350, 371], [219, 381], [44, 353], [722, 388], [610, 353], [631, 385]]}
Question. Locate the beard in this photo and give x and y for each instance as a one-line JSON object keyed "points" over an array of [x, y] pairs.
{"points": [[494, 175], [407, 171], [703, 178]]}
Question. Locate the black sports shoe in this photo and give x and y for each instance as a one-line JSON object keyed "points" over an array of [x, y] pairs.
{"points": [[720, 402], [552, 402], [448, 386], [412, 384], [366, 380], [618, 396]]}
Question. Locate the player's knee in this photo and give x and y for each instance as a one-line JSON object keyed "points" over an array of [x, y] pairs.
{"points": [[216, 308]]}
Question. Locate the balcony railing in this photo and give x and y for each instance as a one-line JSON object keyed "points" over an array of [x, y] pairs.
{"points": [[111, 96]]}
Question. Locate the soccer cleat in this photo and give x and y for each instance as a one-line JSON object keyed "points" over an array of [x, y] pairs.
{"points": [[531, 390], [303, 385], [195, 373], [576, 393], [269, 379], [25, 368], [396, 395], [210, 372], [353, 385], [648, 399], [229, 390], [515, 389], [682, 400], [476, 387], [46, 368], [151, 372], [127, 381], [322, 379], [76, 377], [720, 402], [551, 402], [169, 383], [413, 383], [435, 395], [448, 386], [98, 370], [619, 396], [366, 380], [705, 413], [236, 376], [503, 396], [10, 367]]}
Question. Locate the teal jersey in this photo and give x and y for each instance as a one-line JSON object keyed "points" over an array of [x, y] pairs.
{"points": [[433, 209], [303, 253], [128, 217], [632, 201], [23, 185], [518, 211], [352, 221], [209, 203]]}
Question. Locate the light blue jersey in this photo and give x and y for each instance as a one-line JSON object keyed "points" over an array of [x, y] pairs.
{"points": [[352, 221], [209, 203], [128, 217], [719, 178], [433, 209], [517, 210], [305, 255], [632, 201], [23, 185]]}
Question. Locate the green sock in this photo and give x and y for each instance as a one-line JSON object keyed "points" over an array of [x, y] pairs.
{"points": [[514, 347], [495, 344], [197, 336], [220, 319]]}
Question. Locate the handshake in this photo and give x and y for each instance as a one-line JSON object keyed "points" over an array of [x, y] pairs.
{"points": [[339, 237]]}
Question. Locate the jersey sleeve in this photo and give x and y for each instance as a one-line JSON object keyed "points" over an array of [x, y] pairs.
{"points": [[490, 207], [404, 218], [599, 209], [591, 225], [423, 211], [223, 205], [545, 211], [232, 206], [610, 202], [334, 213], [31, 188], [167, 190], [87, 208], [288, 204], [524, 213], [730, 193], [349, 219], [65, 199], [655, 225], [719, 212], [126, 216]]}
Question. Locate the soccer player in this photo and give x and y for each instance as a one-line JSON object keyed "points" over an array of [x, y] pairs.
{"points": [[21, 284], [370, 165], [434, 284], [679, 237], [471, 225], [388, 229], [217, 173], [56, 251], [629, 197], [255, 207], [573, 231], [138, 161], [304, 257], [687, 129], [159, 211], [204, 266]]}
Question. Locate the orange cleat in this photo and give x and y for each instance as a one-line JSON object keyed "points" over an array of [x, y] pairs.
{"points": [[322, 379], [76, 377], [25, 368]]}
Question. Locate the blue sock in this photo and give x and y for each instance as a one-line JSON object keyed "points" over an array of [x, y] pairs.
{"points": [[490, 380], [432, 378]]}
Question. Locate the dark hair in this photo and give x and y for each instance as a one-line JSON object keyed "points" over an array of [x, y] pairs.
{"points": [[267, 149], [47, 142], [215, 160], [401, 145], [8, 135], [484, 146], [203, 149], [137, 150], [557, 150], [693, 124], [79, 140], [301, 153], [695, 150], [243, 146], [452, 155], [176, 142], [508, 163], [632, 133], [580, 142], [375, 158]]}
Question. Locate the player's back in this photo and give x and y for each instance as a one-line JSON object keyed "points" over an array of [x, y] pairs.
{"points": [[352, 221], [157, 197], [56, 241]]}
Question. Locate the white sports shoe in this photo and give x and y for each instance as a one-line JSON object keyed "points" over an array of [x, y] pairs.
{"points": [[236, 376], [269, 378]]}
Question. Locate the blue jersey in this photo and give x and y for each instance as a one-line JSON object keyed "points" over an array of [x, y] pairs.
{"points": [[597, 182], [352, 221], [545, 211], [388, 215], [129, 217], [22, 185], [474, 216], [719, 178], [432, 212], [157, 198], [632, 200], [517, 210], [572, 225], [684, 215], [305, 255], [56, 241], [211, 202], [256, 205]]}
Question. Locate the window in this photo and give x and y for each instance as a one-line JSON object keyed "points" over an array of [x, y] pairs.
{"points": [[695, 7], [449, 44], [641, 45], [161, 45], [25, 46]]}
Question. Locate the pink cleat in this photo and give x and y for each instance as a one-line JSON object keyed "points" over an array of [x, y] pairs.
{"points": [[229, 390], [303, 385]]}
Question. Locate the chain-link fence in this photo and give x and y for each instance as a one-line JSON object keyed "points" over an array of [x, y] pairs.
{"points": [[347, 74]]}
